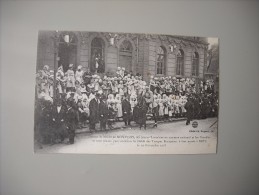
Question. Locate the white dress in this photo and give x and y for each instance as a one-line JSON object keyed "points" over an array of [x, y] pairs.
{"points": [[120, 89], [79, 76], [176, 106], [166, 109], [70, 78], [161, 108], [119, 108]]}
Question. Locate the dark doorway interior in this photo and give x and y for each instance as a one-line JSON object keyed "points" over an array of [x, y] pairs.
{"points": [[67, 51], [97, 56], [67, 55]]}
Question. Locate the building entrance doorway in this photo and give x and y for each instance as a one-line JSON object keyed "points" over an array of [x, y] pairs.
{"points": [[67, 52]]}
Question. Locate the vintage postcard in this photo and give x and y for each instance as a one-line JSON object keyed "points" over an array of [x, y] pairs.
{"points": [[126, 93]]}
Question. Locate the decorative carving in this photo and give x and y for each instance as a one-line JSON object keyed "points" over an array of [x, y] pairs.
{"points": [[163, 37], [142, 36], [126, 46], [153, 36], [68, 37], [84, 37]]}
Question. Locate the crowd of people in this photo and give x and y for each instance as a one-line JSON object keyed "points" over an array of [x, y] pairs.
{"points": [[84, 99]]}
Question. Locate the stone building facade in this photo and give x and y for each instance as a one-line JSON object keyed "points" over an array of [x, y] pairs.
{"points": [[145, 54]]}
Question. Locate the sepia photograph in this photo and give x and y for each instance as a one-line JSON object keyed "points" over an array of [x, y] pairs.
{"points": [[126, 93], [129, 97]]}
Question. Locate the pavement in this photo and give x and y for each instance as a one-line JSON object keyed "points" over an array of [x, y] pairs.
{"points": [[121, 125], [173, 137]]}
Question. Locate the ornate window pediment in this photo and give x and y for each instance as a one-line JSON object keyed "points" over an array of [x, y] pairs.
{"points": [[126, 46], [67, 37]]}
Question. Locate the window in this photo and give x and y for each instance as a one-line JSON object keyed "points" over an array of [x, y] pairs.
{"points": [[160, 63], [125, 57], [180, 63], [195, 64]]}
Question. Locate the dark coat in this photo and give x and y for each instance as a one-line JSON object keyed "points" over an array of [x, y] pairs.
{"points": [[73, 103], [126, 109], [71, 119], [140, 111], [59, 118], [111, 114], [103, 111], [189, 109], [101, 67], [45, 123], [87, 78], [94, 111]]}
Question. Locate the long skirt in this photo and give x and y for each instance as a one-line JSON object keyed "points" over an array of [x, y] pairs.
{"points": [[140, 115], [161, 110], [119, 107]]}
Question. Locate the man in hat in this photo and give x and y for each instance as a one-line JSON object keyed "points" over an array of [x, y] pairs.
{"points": [[71, 99], [87, 76], [71, 120], [44, 122], [140, 111], [58, 118], [189, 110], [126, 110], [103, 112], [155, 109], [94, 112]]}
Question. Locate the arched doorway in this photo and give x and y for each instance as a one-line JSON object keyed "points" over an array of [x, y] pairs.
{"points": [[67, 52], [125, 55], [97, 56]]}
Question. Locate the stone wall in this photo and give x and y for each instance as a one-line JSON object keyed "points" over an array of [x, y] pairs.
{"points": [[144, 54]]}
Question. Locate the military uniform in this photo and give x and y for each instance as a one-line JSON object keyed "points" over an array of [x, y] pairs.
{"points": [[189, 111], [58, 118], [126, 110], [103, 114], [71, 120], [94, 113]]}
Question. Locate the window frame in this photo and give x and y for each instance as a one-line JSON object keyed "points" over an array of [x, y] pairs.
{"points": [[161, 64], [180, 63], [195, 64]]}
